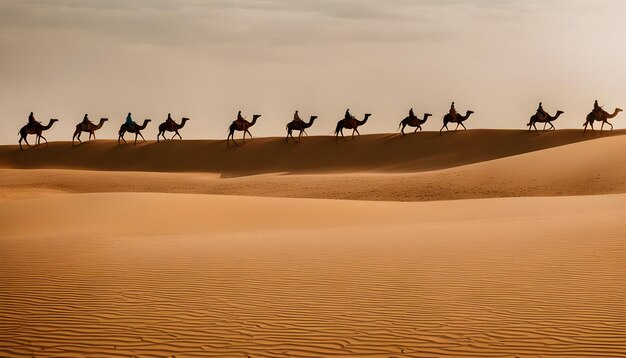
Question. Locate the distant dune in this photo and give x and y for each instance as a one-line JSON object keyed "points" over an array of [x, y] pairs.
{"points": [[476, 164], [388, 153]]}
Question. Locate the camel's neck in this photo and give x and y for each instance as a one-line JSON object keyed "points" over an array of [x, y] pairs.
{"points": [[43, 128], [466, 116], [558, 114], [253, 122], [99, 125], [307, 125], [422, 121], [145, 123], [615, 113], [181, 125], [360, 123]]}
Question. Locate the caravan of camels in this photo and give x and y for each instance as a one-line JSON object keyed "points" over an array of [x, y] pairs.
{"points": [[350, 122]]}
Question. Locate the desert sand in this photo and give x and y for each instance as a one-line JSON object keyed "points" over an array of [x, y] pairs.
{"points": [[474, 244]]}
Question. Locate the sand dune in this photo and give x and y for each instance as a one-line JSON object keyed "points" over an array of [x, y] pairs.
{"points": [[100, 257], [369, 153], [193, 275], [583, 168]]}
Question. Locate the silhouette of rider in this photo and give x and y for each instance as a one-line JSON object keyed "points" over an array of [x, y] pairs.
{"points": [[169, 121], [32, 122], [130, 122], [296, 117], [240, 118], [86, 121], [541, 112], [411, 114], [453, 111]]}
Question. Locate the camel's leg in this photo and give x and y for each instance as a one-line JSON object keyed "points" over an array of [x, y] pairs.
{"points": [[300, 136], [136, 134], [74, 136], [416, 128], [250, 134], [177, 134], [553, 128], [357, 131], [141, 135], [463, 125], [457, 127], [609, 123], [44, 138], [535, 126], [305, 133], [442, 127], [602, 126], [158, 135]]}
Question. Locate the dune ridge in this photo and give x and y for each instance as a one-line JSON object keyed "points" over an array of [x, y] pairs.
{"points": [[582, 168], [389, 153]]}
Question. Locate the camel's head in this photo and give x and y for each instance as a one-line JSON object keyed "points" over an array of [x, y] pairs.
{"points": [[470, 112], [53, 120], [559, 112], [313, 118], [104, 119], [619, 110], [147, 120], [256, 116], [367, 115], [426, 115], [185, 119]]}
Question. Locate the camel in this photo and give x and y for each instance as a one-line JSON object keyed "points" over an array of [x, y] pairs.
{"points": [[298, 126], [604, 118], [87, 127], [413, 122], [171, 127], [34, 129], [353, 124], [241, 126], [459, 119], [534, 119], [132, 129]]}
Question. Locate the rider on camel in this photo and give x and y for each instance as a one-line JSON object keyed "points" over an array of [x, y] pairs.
{"points": [[32, 122], [85, 121], [411, 114], [541, 112], [453, 111], [169, 121], [296, 117], [130, 122]]}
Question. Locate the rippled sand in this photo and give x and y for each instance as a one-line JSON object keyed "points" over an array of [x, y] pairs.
{"points": [[196, 275]]}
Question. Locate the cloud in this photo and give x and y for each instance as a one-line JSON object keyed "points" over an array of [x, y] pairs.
{"points": [[247, 22]]}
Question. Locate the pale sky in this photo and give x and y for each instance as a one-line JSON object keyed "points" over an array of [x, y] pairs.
{"points": [[207, 59]]}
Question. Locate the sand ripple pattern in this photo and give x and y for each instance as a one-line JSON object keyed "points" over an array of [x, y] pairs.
{"points": [[406, 291]]}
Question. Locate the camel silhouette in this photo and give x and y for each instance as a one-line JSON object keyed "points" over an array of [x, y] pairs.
{"points": [[459, 119], [353, 124], [171, 127], [34, 129], [132, 129], [603, 117], [242, 126], [413, 122], [87, 127], [534, 119], [298, 126]]}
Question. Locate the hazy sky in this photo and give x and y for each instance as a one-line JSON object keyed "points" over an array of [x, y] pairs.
{"points": [[207, 59]]}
